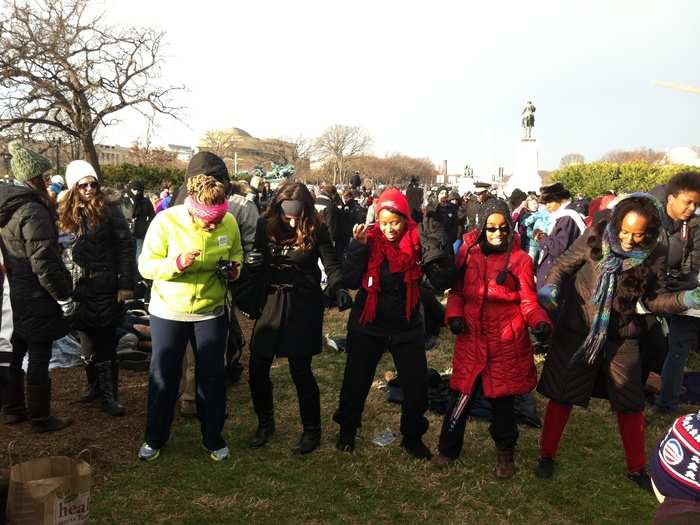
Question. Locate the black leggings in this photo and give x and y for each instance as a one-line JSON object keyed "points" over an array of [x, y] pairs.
{"points": [[308, 393], [39, 357]]}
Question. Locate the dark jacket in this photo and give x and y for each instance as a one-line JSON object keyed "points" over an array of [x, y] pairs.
{"points": [[450, 216], [390, 319], [32, 257], [105, 256], [292, 317], [564, 233], [350, 214], [138, 212], [328, 211], [682, 240], [645, 283]]}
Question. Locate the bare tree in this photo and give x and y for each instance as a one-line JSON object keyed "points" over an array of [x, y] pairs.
{"points": [[64, 68], [219, 142], [339, 143], [571, 158], [647, 155]]}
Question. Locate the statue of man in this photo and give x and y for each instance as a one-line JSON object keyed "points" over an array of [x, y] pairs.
{"points": [[528, 118]]}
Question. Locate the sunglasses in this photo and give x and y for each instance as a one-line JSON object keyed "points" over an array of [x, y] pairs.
{"points": [[86, 185], [494, 229]]}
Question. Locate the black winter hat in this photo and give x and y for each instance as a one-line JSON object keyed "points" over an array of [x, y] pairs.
{"points": [[488, 208], [136, 185], [554, 192], [206, 163]]}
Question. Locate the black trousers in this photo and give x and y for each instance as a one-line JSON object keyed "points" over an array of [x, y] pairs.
{"points": [[308, 393], [39, 357], [503, 428], [98, 344], [364, 353]]}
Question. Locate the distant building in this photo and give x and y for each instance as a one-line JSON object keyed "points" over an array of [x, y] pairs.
{"points": [[239, 147], [183, 153], [683, 155], [112, 155]]}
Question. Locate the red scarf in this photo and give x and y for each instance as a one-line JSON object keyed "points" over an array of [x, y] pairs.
{"points": [[403, 256]]}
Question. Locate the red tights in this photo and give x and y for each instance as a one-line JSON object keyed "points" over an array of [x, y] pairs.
{"points": [[631, 426]]}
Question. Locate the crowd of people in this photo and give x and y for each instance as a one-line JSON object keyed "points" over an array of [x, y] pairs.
{"points": [[608, 288]]}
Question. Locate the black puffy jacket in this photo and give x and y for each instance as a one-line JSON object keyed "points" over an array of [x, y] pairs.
{"points": [[35, 271], [105, 255]]}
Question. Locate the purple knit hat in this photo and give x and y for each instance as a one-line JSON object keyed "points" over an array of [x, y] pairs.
{"points": [[675, 463]]}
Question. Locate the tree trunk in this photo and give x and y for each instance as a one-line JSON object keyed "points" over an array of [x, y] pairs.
{"points": [[90, 152]]}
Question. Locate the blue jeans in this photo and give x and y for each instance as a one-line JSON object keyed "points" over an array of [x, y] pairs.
{"points": [[682, 337], [169, 339]]}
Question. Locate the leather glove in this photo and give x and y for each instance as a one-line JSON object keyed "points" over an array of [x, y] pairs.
{"points": [[457, 325], [124, 295], [548, 297], [542, 332], [343, 300], [4, 376], [67, 307], [253, 259], [691, 299]]}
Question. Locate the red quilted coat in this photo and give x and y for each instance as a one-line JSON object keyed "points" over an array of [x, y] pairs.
{"points": [[495, 344]]}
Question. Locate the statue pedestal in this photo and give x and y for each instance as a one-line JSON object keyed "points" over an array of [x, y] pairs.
{"points": [[525, 168]]}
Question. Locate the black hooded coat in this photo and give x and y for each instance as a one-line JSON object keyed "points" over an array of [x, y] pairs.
{"points": [[35, 271]]}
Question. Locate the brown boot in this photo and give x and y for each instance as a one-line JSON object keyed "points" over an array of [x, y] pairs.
{"points": [[39, 409], [13, 408], [441, 461], [505, 463]]}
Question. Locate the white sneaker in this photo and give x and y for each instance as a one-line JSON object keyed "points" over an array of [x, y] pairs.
{"points": [[148, 453], [220, 455]]}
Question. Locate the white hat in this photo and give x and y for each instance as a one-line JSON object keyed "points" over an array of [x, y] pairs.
{"points": [[78, 170], [57, 179]]}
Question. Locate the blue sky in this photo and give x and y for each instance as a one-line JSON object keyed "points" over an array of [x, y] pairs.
{"points": [[444, 80]]}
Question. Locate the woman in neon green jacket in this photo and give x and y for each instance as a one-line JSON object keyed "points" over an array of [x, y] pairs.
{"points": [[190, 252]]}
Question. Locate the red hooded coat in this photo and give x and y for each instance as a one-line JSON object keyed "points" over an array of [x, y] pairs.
{"points": [[496, 343]]}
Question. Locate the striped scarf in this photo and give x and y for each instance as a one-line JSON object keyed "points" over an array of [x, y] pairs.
{"points": [[614, 262]]}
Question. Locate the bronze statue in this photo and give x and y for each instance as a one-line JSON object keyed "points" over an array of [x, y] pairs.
{"points": [[528, 119]]}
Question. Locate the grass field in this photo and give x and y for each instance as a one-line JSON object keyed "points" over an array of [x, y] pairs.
{"points": [[373, 485]]}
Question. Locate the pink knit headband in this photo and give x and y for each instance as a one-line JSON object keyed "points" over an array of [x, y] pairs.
{"points": [[207, 212]]}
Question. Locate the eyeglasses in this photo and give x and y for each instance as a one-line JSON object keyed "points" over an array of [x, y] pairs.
{"points": [[86, 185], [494, 229]]}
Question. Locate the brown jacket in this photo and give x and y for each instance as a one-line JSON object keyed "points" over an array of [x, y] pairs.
{"points": [[618, 377]]}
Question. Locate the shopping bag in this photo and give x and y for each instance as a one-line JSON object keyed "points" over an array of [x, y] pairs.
{"points": [[52, 490]]}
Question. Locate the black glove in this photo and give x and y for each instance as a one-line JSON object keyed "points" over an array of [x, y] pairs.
{"points": [[457, 325], [542, 332], [343, 300], [253, 259]]}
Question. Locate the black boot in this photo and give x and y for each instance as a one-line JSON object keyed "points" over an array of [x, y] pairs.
{"points": [[106, 386], [346, 439], [39, 409], [416, 448], [13, 408], [309, 441], [266, 428], [92, 392]]}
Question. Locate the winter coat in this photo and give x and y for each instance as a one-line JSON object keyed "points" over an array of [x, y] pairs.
{"points": [[645, 283], [683, 256], [5, 317], [328, 212], [36, 274], [138, 212], [450, 216], [350, 214], [196, 289], [246, 214], [390, 320], [292, 317], [105, 255], [564, 232], [496, 344]]}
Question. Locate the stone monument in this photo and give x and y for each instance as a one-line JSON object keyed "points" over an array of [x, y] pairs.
{"points": [[526, 175]]}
